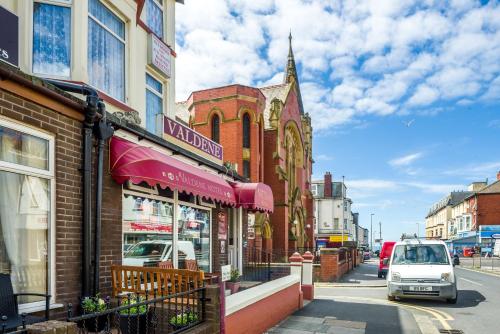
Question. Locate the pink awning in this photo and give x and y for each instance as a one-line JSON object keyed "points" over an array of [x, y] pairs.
{"points": [[254, 196], [129, 161]]}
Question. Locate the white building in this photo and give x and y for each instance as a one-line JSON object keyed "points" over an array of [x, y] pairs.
{"points": [[332, 211]]}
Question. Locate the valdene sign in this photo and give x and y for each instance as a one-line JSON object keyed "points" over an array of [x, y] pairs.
{"points": [[192, 138], [9, 37]]}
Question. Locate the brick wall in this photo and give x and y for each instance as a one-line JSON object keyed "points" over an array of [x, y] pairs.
{"points": [[488, 209], [68, 179]]}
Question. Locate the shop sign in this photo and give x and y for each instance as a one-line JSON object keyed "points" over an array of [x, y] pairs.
{"points": [[225, 272], [222, 224], [338, 238], [251, 224], [9, 37], [159, 55], [188, 138]]}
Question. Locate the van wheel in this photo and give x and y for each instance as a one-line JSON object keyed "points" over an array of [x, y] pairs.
{"points": [[391, 298], [452, 300]]}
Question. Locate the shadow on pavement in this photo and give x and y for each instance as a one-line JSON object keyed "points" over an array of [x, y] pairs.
{"points": [[466, 298], [379, 318]]}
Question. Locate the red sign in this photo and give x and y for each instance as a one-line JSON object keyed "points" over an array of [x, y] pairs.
{"points": [[159, 55], [191, 137], [221, 222]]}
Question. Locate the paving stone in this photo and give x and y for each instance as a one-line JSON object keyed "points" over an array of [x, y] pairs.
{"points": [[310, 320], [288, 331], [300, 325], [344, 330], [346, 323]]}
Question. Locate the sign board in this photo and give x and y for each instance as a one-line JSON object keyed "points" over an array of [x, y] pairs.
{"points": [[159, 55], [488, 231], [338, 238], [221, 223], [251, 224], [495, 236], [188, 138], [9, 37], [225, 272]]}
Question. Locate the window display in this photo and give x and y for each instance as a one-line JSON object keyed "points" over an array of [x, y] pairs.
{"points": [[194, 227]]}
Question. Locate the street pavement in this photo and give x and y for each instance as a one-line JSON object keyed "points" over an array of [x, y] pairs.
{"points": [[358, 304]]}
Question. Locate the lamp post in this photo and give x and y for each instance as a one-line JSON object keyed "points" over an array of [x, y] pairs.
{"points": [[371, 231]]}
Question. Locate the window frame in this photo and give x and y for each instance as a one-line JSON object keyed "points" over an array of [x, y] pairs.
{"points": [[48, 175], [246, 116], [145, 20], [155, 92], [248, 165], [63, 3], [212, 122], [125, 52]]}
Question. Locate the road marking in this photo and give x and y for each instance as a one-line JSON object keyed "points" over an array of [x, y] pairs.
{"points": [[481, 272], [468, 280], [440, 316], [425, 324]]}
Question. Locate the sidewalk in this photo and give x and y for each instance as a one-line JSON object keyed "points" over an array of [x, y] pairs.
{"points": [[307, 325], [365, 275]]}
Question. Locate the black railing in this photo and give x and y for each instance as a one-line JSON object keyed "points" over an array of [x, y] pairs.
{"points": [[150, 314], [264, 266], [20, 330]]}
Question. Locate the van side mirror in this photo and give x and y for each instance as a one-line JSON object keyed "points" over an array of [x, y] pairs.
{"points": [[385, 261]]}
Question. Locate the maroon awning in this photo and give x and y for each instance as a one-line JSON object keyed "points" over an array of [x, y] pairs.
{"points": [[254, 196], [129, 161]]}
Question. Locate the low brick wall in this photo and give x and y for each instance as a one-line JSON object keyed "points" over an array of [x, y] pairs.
{"points": [[335, 263], [255, 310]]}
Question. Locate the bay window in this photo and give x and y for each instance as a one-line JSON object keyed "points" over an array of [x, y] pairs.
{"points": [[52, 38], [106, 50], [26, 188], [154, 16], [154, 103]]}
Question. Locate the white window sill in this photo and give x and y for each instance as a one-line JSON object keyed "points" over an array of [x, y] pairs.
{"points": [[38, 308]]}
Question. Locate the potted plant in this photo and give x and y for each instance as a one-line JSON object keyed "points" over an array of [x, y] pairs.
{"points": [[234, 282], [183, 319], [90, 305], [133, 319]]}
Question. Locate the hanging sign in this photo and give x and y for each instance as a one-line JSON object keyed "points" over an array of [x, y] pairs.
{"points": [[159, 55], [225, 273], [222, 224], [9, 37]]}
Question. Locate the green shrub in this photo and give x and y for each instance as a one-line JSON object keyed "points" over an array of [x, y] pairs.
{"points": [[94, 304], [134, 299], [183, 319]]}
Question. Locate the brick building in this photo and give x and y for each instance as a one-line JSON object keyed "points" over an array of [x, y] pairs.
{"points": [[267, 137]]}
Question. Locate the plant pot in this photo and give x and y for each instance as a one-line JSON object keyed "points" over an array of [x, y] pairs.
{"points": [[95, 325], [133, 323], [233, 286]]}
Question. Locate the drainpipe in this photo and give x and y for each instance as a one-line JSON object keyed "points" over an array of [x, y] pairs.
{"points": [[103, 131], [88, 124]]}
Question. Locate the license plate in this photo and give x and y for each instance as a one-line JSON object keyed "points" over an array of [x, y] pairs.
{"points": [[420, 288]]}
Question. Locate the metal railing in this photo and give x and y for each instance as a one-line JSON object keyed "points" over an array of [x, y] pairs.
{"points": [[150, 314], [491, 263], [20, 330]]}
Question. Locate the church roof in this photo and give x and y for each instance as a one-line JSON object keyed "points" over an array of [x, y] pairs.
{"points": [[279, 92]]}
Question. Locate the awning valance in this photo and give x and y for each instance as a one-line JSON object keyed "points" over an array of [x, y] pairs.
{"points": [[254, 196], [130, 161]]}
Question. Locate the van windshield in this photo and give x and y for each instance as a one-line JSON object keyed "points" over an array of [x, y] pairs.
{"points": [[420, 254], [150, 250]]}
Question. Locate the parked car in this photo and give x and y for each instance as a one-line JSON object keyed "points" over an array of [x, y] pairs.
{"points": [[421, 269], [385, 253], [154, 251], [366, 255]]}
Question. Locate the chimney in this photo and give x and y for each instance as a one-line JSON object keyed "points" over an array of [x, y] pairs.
{"points": [[328, 185], [498, 176]]}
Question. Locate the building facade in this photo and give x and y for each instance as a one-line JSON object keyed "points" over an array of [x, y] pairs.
{"points": [[332, 211], [440, 216], [267, 137]]}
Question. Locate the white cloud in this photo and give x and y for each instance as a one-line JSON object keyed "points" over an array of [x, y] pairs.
{"points": [[477, 171], [405, 160], [436, 188], [363, 57], [323, 157]]}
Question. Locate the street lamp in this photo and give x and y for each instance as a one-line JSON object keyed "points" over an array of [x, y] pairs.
{"points": [[371, 231]]}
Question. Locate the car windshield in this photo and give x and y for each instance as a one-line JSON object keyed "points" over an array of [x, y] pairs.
{"points": [[420, 254], [149, 250]]}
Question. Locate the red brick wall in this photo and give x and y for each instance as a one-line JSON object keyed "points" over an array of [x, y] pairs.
{"points": [[264, 314], [68, 160], [488, 209]]}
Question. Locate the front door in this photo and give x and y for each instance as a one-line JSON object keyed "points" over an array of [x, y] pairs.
{"points": [[233, 239]]}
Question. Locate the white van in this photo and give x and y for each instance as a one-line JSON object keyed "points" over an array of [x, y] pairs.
{"points": [[154, 251], [421, 269]]}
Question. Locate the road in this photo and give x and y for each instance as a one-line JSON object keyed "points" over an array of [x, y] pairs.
{"points": [[361, 298]]}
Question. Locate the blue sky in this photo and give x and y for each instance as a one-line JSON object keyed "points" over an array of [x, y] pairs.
{"points": [[367, 69]]}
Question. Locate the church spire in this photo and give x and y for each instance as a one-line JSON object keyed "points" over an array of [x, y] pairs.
{"points": [[291, 70]]}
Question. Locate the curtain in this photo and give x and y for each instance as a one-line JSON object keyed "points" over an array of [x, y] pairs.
{"points": [[153, 108], [51, 39], [106, 51], [154, 18]]}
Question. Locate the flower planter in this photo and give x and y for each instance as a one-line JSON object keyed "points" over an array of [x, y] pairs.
{"points": [[233, 286], [94, 325]]}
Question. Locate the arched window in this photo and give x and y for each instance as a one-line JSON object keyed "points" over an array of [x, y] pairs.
{"points": [[246, 131], [216, 128]]}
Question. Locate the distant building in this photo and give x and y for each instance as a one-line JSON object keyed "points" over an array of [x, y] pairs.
{"points": [[440, 214], [332, 210]]}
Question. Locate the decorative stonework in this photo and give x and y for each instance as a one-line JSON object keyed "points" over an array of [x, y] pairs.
{"points": [[128, 116]]}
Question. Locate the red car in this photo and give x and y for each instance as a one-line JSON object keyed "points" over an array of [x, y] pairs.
{"points": [[385, 253]]}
